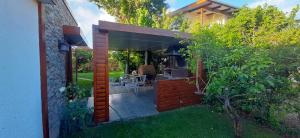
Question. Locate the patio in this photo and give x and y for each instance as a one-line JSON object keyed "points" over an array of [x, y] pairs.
{"points": [[125, 105], [166, 71]]}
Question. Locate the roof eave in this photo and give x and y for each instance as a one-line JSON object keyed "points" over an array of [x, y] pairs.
{"points": [[47, 2], [194, 6]]}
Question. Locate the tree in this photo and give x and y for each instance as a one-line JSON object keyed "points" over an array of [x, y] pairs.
{"points": [[83, 57], [250, 62], [147, 13], [135, 59], [137, 12]]}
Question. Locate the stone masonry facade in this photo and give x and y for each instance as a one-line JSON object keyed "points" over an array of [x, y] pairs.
{"points": [[55, 17]]}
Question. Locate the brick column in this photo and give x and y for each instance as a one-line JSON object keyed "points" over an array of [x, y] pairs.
{"points": [[101, 81]]}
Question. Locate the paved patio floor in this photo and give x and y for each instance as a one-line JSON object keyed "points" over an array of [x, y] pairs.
{"points": [[125, 104], [128, 105]]}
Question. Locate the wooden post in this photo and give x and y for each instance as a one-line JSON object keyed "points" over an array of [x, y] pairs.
{"points": [[213, 20], [201, 16], [202, 73], [101, 81], [127, 62], [76, 70], [146, 57], [68, 66]]}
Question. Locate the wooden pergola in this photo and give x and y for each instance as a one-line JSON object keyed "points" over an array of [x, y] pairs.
{"points": [[114, 36]]}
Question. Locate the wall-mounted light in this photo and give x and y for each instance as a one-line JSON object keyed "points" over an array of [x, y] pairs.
{"points": [[63, 47]]}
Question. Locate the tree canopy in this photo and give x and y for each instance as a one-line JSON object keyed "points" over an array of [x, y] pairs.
{"points": [[147, 13], [150, 13], [252, 63]]}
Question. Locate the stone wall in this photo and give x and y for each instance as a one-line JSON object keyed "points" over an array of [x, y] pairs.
{"points": [[55, 17]]}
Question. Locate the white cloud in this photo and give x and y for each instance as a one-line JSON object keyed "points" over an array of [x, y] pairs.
{"points": [[87, 18], [87, 14], [284, 5], [170, 10]]}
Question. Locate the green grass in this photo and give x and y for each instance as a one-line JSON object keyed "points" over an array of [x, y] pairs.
{"points": [[116, 74], [195, 121], [88, 75], [85, 80]]}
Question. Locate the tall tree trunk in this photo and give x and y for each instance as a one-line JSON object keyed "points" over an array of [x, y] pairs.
{"points": [[237, 127], [233, 115]]}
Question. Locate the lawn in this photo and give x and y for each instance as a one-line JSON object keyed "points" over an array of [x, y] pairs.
{"points": [[195, 121], [89, 75], [116, 74], [85, 80]]}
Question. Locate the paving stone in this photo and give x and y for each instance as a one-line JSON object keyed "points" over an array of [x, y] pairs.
{"points": [[131, 105]]}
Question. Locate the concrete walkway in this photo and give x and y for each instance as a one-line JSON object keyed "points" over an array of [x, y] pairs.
{"points": [[132, 105]]}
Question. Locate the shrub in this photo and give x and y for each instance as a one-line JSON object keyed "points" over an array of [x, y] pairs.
{"points": [[251, 62], [76, 114]]}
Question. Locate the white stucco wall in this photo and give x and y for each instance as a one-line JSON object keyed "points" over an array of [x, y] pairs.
{"points": [[20, 92]]}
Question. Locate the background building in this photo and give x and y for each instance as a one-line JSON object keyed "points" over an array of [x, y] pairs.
{"points": [[206, 12]]}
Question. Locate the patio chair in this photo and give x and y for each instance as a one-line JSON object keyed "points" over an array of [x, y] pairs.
{"points": [[142, 80], [113, 82], [124, 79], [132, 84]]}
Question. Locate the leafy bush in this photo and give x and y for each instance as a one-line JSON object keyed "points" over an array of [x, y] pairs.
{"points": [[76, 114], [73, 92], [76, 117], [252, 64]]}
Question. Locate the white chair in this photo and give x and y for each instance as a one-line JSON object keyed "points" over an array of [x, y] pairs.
{"points": [[124, 79], [142, 80], [113, 82], [132, 84]]}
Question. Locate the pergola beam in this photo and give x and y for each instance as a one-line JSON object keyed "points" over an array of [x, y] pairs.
{"points": [[111, 26], [219, 11]]}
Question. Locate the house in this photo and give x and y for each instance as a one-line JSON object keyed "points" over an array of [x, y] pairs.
{"points": [[206, 12], [36, 38]]}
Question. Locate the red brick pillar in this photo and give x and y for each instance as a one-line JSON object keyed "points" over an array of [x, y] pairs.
{"points": [[101, 81]]}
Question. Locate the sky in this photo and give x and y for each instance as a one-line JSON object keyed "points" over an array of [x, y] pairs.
{"points": [[87, 13]]}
